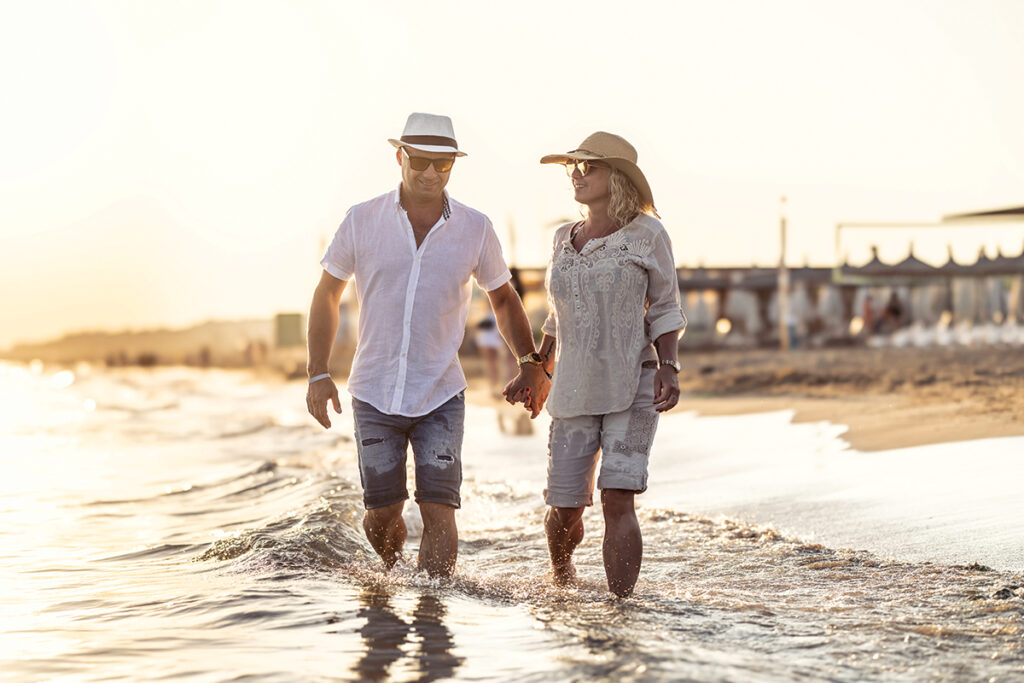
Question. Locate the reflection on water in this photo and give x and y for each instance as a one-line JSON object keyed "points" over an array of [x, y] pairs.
{"points": [[210, 532], [424, 641]]}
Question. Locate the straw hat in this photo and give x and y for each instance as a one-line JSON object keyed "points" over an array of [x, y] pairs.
{"points": [[429, 133], [612, 150]]}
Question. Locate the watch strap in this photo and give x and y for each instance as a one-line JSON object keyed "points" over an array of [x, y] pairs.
{"points": [[534, 358]]}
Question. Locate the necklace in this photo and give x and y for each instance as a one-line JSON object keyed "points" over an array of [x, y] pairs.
{"points": [[579, 229]]}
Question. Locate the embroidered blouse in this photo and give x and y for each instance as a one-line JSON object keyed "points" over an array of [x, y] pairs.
{"points": [[607, 303]]}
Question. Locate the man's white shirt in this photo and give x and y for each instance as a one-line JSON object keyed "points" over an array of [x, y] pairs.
{"points": [[413, 302]]}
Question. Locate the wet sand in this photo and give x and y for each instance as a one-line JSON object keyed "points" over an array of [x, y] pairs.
{"points": [[889, 398]]}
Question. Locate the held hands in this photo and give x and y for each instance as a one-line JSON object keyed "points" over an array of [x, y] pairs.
{"points": [[666, 388], [530, 387], [317, 396]]}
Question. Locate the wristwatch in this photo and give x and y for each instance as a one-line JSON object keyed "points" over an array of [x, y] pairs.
{"points": [[534, 358], [674, 363]]}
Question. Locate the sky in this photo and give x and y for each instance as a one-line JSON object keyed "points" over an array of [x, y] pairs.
{"points": [[164, 163]]}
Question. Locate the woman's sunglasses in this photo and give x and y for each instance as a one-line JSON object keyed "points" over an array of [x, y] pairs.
{"points": [[421, 163], [581, 165]]}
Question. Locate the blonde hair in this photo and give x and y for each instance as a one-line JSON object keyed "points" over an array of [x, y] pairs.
{"points": [[625, 203]]}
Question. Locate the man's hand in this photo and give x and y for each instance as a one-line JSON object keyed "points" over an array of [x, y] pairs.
{"points": [[666, 388], [317, 396], [531, 387]]}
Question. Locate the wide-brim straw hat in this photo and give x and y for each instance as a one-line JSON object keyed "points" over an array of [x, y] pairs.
{"points": [[613, 150], [429, 133]]}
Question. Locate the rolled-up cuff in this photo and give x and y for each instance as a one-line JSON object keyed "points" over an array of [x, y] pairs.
{"points": [[549, 328], [567, 500], [637, 483], [496, 282], [668, 322], [335, 271]]}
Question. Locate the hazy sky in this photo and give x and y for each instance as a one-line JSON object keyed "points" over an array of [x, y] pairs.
{"points": [[168, 162]]}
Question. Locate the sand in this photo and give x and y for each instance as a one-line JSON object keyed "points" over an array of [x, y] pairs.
{"points": [[890, 398]]}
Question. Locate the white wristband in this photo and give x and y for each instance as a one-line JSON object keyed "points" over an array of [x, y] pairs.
{"points": [[317, 378]]}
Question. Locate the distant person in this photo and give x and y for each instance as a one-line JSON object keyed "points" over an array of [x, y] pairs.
{"points": [[412, 252], [492, 350], [868, 314], [499, 362], [612, 291], [893, 314], [517, 281]]}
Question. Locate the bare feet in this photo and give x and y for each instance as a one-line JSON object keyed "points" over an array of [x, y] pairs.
{"points": [[390, 560], [564, 529], [563, 574]]}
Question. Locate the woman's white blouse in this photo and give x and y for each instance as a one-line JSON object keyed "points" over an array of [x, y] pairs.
{"points": [[606, 304]]}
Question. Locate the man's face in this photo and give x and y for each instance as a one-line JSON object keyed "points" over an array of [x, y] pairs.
{"points": [[428, 183]]}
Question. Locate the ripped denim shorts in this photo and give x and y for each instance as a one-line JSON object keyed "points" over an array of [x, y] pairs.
{"points": [[382, 442]]}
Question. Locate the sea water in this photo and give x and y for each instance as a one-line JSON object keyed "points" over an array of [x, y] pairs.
{"points": [[178, 523]]}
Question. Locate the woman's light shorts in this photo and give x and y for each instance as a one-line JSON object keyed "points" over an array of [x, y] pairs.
{"points": [[622, 440]]}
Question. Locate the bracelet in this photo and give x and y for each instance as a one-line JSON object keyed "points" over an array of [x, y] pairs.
{"points": [[317, 378]]}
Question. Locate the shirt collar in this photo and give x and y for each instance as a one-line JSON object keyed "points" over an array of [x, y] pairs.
{"points": [[446, 208]]}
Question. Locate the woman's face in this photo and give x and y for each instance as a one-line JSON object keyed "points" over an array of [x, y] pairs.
{"points": [[592, 187]]}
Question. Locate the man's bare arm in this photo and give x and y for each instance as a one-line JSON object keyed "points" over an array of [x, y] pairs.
{"points": [[323, 326], [531, 385]]}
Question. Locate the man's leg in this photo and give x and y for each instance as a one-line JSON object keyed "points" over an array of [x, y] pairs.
{"points": [[386, 532], [623, 546], [439, 547], [564, 528], [437, 448], [381, 444]]}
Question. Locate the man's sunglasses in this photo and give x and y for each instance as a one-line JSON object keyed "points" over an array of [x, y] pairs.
{"points": [[421, 163], [581, 165]]}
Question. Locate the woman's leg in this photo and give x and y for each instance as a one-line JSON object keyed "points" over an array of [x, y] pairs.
{"points": [[573, 447], [623, 546], [564, 527]]}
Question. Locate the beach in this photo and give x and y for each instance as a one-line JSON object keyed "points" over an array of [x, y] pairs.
{"points": [[195, 524], [889, 397]]}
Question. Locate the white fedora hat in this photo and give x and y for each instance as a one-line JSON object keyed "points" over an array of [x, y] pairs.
{"points": [[429, 133]]}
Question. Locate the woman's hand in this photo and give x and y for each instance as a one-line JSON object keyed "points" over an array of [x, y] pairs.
{"points": [[666, 388]]}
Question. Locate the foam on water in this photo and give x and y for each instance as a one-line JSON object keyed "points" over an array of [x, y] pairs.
{"points": [[195, 524]]}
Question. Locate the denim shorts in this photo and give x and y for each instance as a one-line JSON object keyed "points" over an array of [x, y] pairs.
{"points": [[382, 442], [622, 441]]}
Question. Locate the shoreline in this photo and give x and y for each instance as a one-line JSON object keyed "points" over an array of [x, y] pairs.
{"points": [[873, 423], [887, 397]]}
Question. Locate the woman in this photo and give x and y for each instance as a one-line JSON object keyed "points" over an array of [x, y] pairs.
{"points": [[612, 289]]}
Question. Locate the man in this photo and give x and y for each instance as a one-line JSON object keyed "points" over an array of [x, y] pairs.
{"points": [[412, 252]]}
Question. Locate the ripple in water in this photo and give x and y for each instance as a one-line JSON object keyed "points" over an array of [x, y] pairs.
{"points": [[226, 550]]}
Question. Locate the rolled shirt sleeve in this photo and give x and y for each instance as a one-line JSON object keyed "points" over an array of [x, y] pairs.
{"points": [[491, 271], [549, 328], [339, 259], [664, 313]]}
